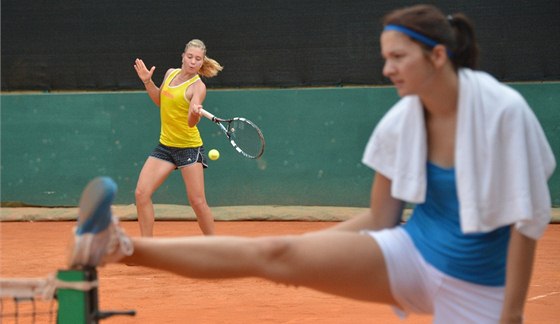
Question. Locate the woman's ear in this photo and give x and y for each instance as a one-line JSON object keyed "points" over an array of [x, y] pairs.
{"points": [[439, 55]]}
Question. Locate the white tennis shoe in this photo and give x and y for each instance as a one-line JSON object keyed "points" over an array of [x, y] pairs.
{"points": [[98, 239]]}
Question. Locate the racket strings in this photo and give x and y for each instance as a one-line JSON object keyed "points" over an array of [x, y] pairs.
{"points": [[247, 137]]}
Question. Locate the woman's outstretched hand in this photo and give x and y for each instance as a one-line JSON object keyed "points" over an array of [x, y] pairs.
{"points": [[143, 73]]}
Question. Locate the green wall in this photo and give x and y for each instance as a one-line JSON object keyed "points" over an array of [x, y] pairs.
{"points": [[53, 143]]}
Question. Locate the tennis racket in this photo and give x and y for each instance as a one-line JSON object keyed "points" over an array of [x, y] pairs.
{"points": [[245, 137]]}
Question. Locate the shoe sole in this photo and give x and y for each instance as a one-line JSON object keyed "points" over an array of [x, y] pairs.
{"points": [[94, 215]]}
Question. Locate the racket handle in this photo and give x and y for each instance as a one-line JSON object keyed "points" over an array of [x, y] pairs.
{"points": [[208, 115]]}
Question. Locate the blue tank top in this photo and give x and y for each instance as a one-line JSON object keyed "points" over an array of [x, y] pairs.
{"points": [[435, 229]]}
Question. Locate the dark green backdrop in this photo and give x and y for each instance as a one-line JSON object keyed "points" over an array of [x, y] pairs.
{"points": [[91, 44], [52, 144]]}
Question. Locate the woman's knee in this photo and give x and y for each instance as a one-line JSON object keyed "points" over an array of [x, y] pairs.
{"points": [[197, 201], [141, 195], [275, 256]]}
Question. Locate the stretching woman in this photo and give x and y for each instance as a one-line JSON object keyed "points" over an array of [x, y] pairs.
{"points": [[466, 149]]}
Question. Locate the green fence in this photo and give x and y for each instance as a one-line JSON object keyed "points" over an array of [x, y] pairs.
{"points": [[54, 143]]}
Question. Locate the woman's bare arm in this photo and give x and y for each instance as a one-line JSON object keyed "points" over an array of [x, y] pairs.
{"points": [[384, 212], [520, 258]]}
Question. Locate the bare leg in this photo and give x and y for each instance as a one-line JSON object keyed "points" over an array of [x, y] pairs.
{"points": [[193, 176], [153, 174], [341, 263]]}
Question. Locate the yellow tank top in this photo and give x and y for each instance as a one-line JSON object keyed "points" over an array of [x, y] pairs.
{"points": [[174, 113]]}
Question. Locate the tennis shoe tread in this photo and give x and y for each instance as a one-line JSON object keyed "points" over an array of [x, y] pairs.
{"points": [[98, 238]]}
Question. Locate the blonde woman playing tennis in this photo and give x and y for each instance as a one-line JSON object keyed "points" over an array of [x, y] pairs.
{"points": [[180, 99]]}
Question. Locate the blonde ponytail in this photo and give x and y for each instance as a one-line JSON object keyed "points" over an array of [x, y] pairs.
{"points": [[210, 67]]}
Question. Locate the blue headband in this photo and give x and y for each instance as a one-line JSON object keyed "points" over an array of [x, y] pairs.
{"points": [[415, 35]]}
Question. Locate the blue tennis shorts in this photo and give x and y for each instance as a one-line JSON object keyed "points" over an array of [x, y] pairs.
{"points": [[181, 157]]}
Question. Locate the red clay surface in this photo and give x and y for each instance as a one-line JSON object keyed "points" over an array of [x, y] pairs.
{"points": [[36, 249]]}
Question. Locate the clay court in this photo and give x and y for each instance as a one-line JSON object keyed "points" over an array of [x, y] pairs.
{"points": [[36, 247]]}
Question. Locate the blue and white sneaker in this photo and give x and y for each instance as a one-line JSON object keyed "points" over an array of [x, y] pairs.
{"points": [[98, 239]]}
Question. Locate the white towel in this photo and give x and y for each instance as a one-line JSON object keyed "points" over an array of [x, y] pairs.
{"points": [[502, 157]]}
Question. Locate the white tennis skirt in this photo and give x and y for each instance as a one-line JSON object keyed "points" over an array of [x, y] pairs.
{"points": [[420, 288]]}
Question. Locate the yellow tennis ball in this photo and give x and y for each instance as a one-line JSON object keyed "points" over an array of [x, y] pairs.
{"points": [[214, 154]]}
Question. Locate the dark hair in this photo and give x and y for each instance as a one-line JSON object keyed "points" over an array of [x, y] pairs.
{"points": [[456, 32]]}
